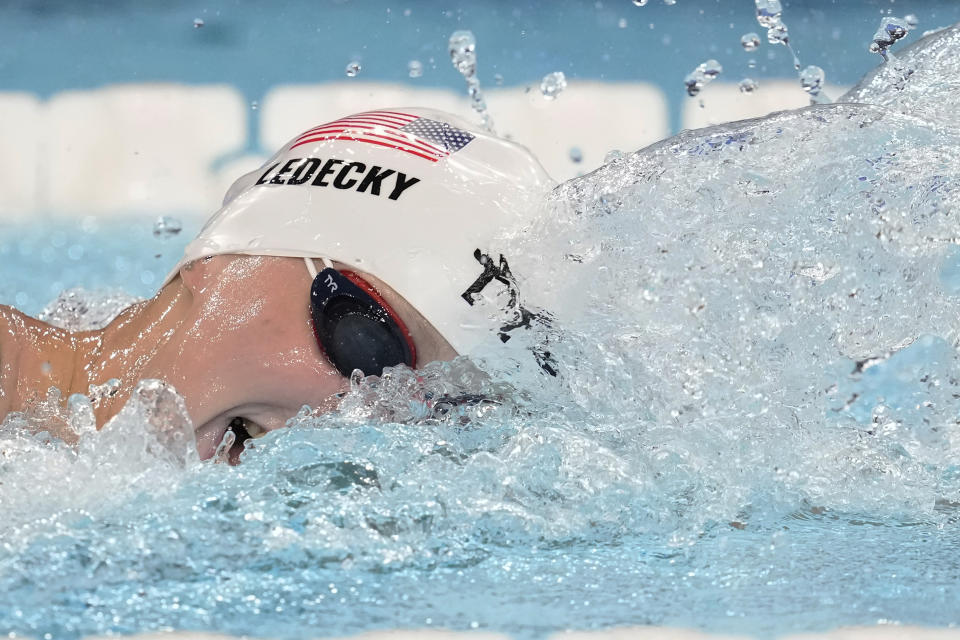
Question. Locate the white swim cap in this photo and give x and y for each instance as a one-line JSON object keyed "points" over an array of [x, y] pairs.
{"points": [[414, 197]]}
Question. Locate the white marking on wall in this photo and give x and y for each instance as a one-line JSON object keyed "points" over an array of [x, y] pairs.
{"points": [[20, 130], [138, 148]]}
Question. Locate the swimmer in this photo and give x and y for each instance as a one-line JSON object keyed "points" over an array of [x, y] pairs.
{"points": [[363, 243]]}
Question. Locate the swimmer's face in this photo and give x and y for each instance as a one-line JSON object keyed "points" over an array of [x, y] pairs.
{"points": [[249, 350]]}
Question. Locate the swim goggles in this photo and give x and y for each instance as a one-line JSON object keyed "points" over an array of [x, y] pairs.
{"points": [[355, 328]]}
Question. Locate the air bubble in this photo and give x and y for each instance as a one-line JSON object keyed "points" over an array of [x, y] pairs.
{"points": [[670, 2], [622, 23], [353, 68], [640, 3], [576, 155], [414, 68], [911, 21], [497, 79], [553, 84], [254, 105], [166, 227], [750, 41], [197, 23], [748, 85]]}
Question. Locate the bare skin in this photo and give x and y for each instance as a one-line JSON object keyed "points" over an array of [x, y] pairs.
{"points": [[232, 334]]}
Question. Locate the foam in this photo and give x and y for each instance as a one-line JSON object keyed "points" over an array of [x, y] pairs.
{"points": [[644, 633], [879, 632], [921, 79]]}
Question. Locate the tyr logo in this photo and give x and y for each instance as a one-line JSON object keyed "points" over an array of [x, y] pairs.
{"points": [[331, 285]]}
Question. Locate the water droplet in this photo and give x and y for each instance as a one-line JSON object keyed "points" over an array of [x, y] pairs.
{"points": [[768, 16], [613, 154], [911, 20], [80, 414], [748, 85], [97, 392], [166, 227], [576, 154], [712, 68], [694, 83], [622, 23], [890, 30], [640, 3], [463, 55], [197, 23], [415, 68], [463, 52], [552, 84], [750, 41], [222, 454], [353, 68], [701, 76], [811, 79], [778, 34], [768, 12]]}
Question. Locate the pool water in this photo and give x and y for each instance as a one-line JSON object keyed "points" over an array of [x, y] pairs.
{"points": [[753, 427]]}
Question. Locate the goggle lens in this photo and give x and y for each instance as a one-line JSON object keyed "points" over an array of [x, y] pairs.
{"points": [[354, 326]]}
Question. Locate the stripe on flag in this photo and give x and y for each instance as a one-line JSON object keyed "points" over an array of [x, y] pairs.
{"points": [[421, 137]]}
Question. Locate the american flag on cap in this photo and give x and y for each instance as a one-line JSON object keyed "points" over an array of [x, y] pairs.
{"points": [[432, 140]]}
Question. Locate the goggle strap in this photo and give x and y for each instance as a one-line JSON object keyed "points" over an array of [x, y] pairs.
{"points": [[312, 268]]}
